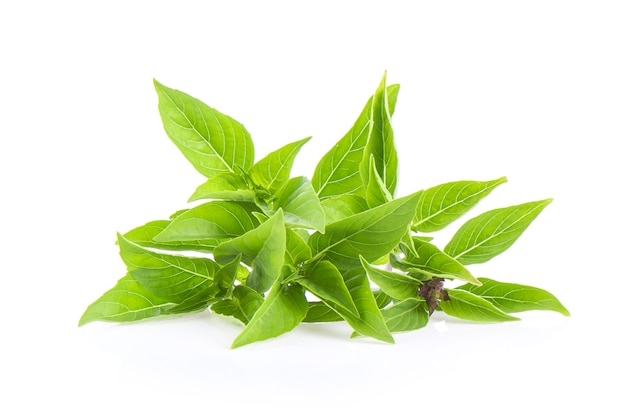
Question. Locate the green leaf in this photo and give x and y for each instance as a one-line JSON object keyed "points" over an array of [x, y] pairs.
{"points": [[397, 285], [376, 192], [406, 315], [466, 305], [283, 309], [320, 312], [371, 234], [380, 144], [430, 261], [226, 186], [487, 235], [126, 301], [173, 278], [263, 249], [296, 249], [215, 220], [370, 321], [242, 305], [272, 172], [340, 207], [325, 281], [144, 236], [301, 205], [212, 142], [441, 205], [511, 298]]}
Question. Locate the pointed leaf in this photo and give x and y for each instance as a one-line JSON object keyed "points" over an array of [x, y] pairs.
{"points": [[212, 142], [406, 315], [376, 193], [263, 249], [301, 205], [296, 249], [487, 235], [320, 312], [325, 281], [215, 220], [283, 309], [144, 236], [371, 234], [511, 298], [466, 305], [242, 305], [272, 172], [340, 207], [126, 301], [397, 285], [226, 186], [441, 205]]}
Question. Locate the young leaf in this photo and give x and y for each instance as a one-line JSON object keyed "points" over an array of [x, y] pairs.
{"points": [[325, 281], [465, 305], [380, 144], [441, 205], [283, 309], [371, 234], [406, 315], [212, 142], [398, 286], [376, 192], [144, 236], [172, 278], [296, 249], [511, 298], [320, 312], [227, 186], [242, 305], [301, 205], [212, 220], [430, 261], [126, 301], [487, 235], [263, 249], [340, 207], [272, 172]]}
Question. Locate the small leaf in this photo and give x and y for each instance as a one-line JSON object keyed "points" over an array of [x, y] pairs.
{"points": [[320, 312], [212, 142], [465, 305], [272, 172], [441, 205], [227, 186], [301, 205], [376, 192], [340, 207], [296, 249], [511, 298], [126, 301], [215, 220], [406, 315], [487, 235], [398, 286], [263, 249], [371, 234], [242, 305], [325, 281], [283, 309]]}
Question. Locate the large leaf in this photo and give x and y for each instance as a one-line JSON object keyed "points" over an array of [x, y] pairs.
{"points": [[211, 220], [337, 173], [511, 297], [145, 236], [441, 205], [272, 171], [397, 285], [301, 205], [371, 234], [465, 305], [242, 304], [380, 144], [283, 309], [212, 142], [406, 315], [263, 249], [325, 281], [487, 235], [227, 186], [126, 301], [340, 207], [429, 261], [173, 278]]}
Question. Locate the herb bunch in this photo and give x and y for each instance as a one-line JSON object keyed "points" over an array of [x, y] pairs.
{"points": [[273, 251]]}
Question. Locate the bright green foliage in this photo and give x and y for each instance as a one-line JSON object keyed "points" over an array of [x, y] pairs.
{"points": [[274, 251]]}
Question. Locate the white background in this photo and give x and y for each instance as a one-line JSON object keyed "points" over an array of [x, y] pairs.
{"points": [[533, 90]]}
